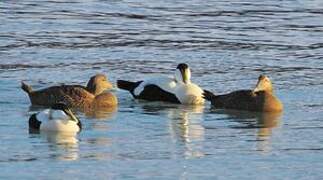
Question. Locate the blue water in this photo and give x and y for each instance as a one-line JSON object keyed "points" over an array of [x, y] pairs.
{"points": [[227, 45]]}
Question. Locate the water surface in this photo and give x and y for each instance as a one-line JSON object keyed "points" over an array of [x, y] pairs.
{"points": [[226, 43]]}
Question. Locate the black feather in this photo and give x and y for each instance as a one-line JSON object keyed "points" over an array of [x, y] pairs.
{"points": [[155, 93], [33, 122], [128, 85]]}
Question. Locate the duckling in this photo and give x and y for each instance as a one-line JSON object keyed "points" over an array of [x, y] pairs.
{"points": [[59, 118], [261, 99], [75, 96]]}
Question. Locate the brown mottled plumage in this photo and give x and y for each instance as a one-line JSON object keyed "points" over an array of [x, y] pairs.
{"points": [[75, 96], [261, 99]]}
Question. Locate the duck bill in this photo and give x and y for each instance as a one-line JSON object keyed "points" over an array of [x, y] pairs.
{"points": [[108, 85], [71, 114], [258, 87]]}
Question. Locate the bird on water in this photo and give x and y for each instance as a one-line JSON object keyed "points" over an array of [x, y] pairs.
{"points": [[94, 95], [177, 89], [59, 118], [260, 99]]}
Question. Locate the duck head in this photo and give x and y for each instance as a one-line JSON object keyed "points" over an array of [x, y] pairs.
{"points": [[61, 110], [264, 84], [98, 83], [183, 73]]}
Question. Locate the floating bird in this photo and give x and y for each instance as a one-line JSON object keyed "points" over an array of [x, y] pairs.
{"points": [[261, 99], [59, 118], [178, 89], [75, 96]]}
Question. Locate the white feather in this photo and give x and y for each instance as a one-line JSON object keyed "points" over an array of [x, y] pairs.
{"points": [[43, 116], [59, 114], [57, 121], [166, 83], [60, 125], [186, 92], [189, 93]]}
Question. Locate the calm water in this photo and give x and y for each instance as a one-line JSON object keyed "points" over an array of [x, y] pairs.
{"points": [[227, 44]]}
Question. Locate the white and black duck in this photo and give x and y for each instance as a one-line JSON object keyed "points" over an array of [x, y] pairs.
{"points": [[59, 118], [178, 89]]}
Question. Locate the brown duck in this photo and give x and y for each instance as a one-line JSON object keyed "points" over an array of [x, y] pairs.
{"points": [[75, 96], [261, 99]]}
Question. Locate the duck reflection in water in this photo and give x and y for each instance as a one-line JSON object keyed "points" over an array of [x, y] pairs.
{"points": [[63, 146], [185, 125], [264, 122], [101, 113]]}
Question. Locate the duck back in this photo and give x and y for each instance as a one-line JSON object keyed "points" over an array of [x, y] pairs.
{"points": [[247, 100], [72, 95]]}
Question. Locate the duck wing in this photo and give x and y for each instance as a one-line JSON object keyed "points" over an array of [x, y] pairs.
{"points": [[153, 92], [157, 89], [242, 99], [152, 89], [72, 95]]}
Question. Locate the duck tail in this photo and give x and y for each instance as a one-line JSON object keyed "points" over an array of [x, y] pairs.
{"points": [[34, 124], [208, 95], [127, 85], [28, 89]]}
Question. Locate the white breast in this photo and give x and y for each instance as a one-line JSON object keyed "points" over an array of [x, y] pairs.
{"points": [[189, 94]]}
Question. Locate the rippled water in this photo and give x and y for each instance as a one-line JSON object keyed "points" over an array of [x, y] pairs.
{"points": [[226, 43]]}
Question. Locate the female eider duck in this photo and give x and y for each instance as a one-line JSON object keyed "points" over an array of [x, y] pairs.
{"points": [[178, 89], [59, 118], [75, 96], [261, 99]]}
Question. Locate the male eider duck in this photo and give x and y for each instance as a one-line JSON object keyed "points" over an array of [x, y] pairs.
{"points": [[59, 118], [75, 96], [178, 89], [261, 99]]}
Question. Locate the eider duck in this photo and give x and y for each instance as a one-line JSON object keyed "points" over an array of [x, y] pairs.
{"points": [[59, 118], [178, 89], [75, 96], [261, 99]]}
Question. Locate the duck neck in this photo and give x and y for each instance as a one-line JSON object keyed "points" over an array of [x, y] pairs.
{"points": [[187, 82], [183, 76], [95, 90], [98, 91]]}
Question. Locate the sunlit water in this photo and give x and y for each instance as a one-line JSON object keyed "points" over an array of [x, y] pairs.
{"points": [[226, 43]]}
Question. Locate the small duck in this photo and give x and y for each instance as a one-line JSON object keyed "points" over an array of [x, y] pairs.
{"points": [[75, 96], [59, 118], [261, 99], [178, 89]]}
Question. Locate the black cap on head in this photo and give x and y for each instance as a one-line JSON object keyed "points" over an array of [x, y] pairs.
{"points": [[182, 66]]}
